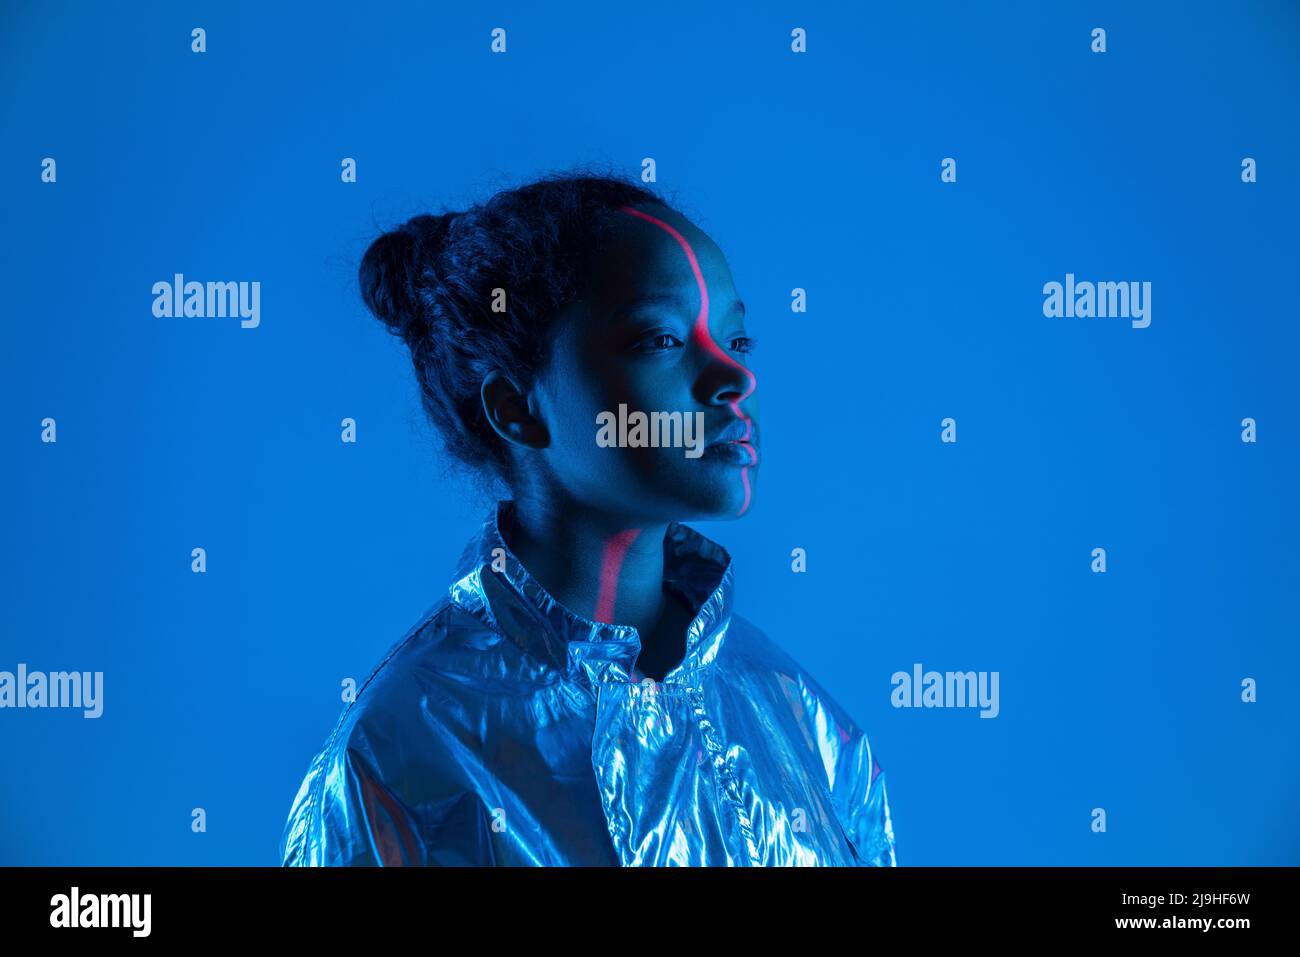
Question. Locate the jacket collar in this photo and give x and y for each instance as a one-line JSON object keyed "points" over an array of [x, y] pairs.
{"points": [[493, 584]]}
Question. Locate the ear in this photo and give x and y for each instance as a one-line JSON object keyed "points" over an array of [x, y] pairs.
{"points": [[511, 413]]}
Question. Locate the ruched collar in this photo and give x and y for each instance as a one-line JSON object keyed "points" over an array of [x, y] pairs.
{"points": [[493, 583]]}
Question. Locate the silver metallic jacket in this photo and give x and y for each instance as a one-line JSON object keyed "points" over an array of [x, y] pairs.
{"points": [[503, 729]]}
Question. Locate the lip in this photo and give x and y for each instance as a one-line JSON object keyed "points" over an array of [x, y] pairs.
{"points": [[737, 430], [734, 451]]}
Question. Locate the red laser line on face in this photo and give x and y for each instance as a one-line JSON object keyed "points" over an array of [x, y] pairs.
{"points": [[700, 332]]}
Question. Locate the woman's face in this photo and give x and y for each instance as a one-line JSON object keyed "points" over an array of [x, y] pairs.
{"points": [[661, 340]]}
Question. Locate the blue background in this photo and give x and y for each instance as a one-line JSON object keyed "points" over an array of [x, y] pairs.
{"points": [[820, 171]]}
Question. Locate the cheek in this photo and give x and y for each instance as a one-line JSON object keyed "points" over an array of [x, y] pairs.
{"points": [[607, 390], [649, 388], [574, 398]]}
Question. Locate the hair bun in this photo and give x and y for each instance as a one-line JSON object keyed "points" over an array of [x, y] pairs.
{"points": [[393, 270]]}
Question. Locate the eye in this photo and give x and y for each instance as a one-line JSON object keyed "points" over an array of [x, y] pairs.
{"points": [[743, 344], [658, 343]]}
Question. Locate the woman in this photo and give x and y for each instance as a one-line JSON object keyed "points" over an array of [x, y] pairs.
{"points": [[583, 693]]}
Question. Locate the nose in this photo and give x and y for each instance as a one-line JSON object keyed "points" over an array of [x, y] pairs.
{"points": [[723, 380]]}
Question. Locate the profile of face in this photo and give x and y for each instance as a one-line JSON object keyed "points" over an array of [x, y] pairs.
{"points": [[661, 331]]}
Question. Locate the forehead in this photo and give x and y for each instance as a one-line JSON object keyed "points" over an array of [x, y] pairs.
{"points": [[641, 259]]}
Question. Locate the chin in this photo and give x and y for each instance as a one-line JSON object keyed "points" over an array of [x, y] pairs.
{"points": [[723, 502]]}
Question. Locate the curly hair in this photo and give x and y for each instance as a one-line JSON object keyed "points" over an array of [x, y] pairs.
{"points": [[434, 279]]}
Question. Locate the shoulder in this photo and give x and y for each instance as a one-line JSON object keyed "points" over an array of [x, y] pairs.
{"points": [[751, 650], [388, 753], [839, 748]]}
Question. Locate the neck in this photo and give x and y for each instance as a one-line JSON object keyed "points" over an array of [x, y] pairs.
{"points": [[603, 566]]}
